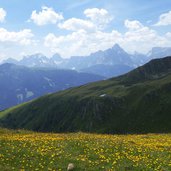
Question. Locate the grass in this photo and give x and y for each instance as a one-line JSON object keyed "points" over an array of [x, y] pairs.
{"points": [[22, 150]]}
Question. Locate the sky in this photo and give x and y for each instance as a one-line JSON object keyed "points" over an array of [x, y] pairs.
{"points": [[81, 27]]}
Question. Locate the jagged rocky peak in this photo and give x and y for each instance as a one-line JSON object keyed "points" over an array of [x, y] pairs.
{"points": [[117, 47], [57, 57], [36, 56]]}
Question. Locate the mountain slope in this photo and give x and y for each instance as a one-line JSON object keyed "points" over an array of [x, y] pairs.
{"points": [[108, 71], [137, 102], [153, 70], [20, 84]]}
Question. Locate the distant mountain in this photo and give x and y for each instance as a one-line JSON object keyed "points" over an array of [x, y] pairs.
{"points": [[36, 60], [20, 84], [111, 58], [11, 61], [108, 70], [158, 52], [137, 102], [139, 59], [56, 60]]}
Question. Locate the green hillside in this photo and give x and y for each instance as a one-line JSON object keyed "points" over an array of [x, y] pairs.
{"points": [[137, 102]]}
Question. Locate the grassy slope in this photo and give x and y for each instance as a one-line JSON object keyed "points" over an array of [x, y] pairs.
{"points": [[137, 102]]}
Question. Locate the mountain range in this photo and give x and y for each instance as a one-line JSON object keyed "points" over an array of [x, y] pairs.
{"points": [[20, 84], [136, 102], [108, 63]]}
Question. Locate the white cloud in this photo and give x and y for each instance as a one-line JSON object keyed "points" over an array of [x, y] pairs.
{"points": [[100, 17], [46, 16], [142, 38], [97, 19], [133, 25], [75, 24], [23, 37], [168, 34], [2, 56], [3, 14], [83, 42], [164, 19], [13, 42]]}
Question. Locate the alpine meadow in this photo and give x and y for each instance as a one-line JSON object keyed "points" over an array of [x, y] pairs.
{"points": [[85, 85]]}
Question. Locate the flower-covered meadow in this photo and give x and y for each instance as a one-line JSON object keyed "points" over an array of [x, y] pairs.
{"points": [[21, 150]]}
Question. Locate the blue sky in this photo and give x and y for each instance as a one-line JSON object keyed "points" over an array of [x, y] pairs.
{"points": [[80, 27]]}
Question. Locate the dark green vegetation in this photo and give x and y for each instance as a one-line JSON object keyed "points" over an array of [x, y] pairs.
{"points": [[137, 102]]}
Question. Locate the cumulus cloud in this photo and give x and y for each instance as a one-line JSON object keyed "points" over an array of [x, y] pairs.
{"points": [[13, 42], [164, 19], [100, 17], [168, 34], [133, 25], [23, 37], [142, 38], [75, 24], [97, 19], [46, 16], [83, 42], [86, 35], [3, 14]]}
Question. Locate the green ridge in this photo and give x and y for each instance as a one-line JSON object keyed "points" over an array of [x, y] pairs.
{"points": [[137, 102]]}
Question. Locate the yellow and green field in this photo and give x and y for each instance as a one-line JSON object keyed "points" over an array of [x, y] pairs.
{"points": [[22, 150]]}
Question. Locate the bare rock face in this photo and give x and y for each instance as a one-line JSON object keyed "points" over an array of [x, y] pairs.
{"points": [[70, 167]]}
